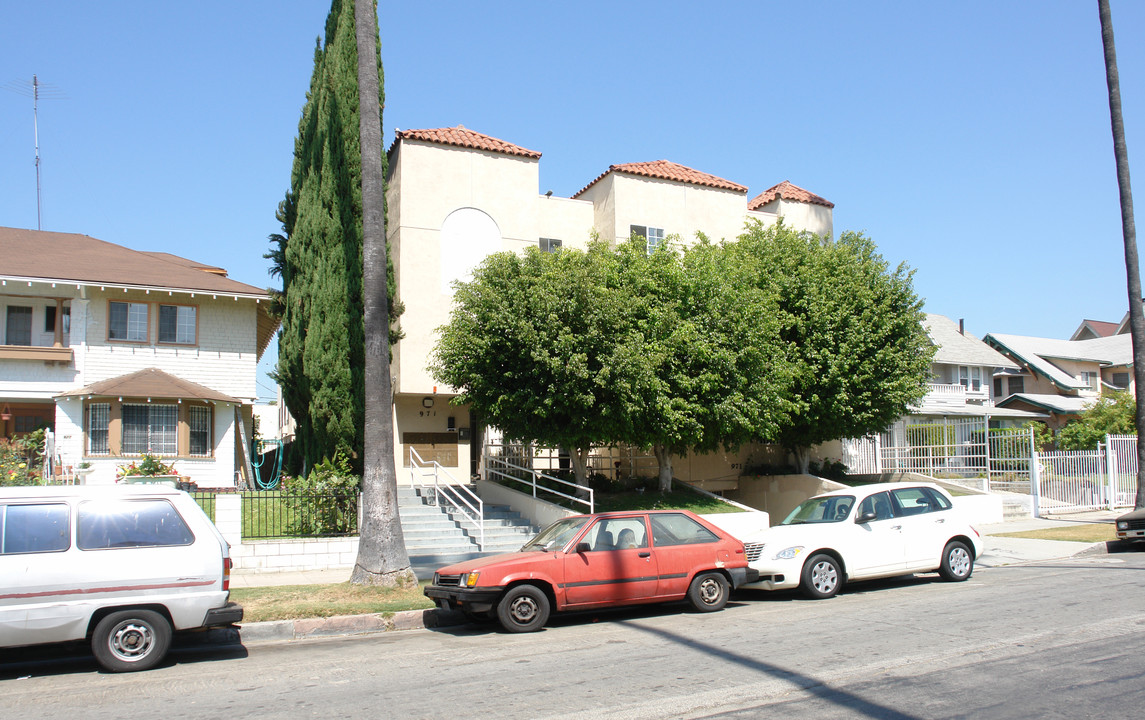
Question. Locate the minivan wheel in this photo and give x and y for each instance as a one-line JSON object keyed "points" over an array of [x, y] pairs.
{"points": [[957, 562], [822, 577], [524, 608], [131, 640]]}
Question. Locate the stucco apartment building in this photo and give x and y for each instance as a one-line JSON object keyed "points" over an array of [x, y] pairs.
{"points": [[122, 352], [455, 196]]}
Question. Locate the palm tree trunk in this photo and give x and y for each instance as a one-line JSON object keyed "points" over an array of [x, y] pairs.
{"points": [[1129, 232], [382, 557]]}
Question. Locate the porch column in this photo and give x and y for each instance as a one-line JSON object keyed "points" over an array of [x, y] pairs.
{"points": [[58, 330]]}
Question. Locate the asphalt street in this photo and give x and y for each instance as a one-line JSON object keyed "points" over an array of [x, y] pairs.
{"points": [[1056, 638]]}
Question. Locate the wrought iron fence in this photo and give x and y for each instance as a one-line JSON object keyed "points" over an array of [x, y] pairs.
{"points": [[271, 514]]}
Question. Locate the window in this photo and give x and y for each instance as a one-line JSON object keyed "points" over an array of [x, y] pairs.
{"points": [[653, 236], [970, 377], [918, 500], [673, 529], [550, 245], [50, 320], [1017, 385], [1088, 378], [130, 523], [98, 415], [1120, 380], [879, 504], [19, 326], [151, 428], [34, 528], [199, 418], [617, 534], [997, 387], [177, 324], [127, 321]]}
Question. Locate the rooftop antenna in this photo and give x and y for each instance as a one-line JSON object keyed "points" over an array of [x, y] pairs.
{"points": [[35, 90]]}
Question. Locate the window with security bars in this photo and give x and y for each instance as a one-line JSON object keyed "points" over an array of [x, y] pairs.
{"points": [[98, 415], [199, 418], [177, 324], [151, 429]]}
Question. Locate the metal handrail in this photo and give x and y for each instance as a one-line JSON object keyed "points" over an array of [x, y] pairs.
{"points": [[534, 476], [454, 494]]}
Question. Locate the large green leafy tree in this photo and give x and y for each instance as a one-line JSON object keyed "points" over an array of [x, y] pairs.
{"points": [[1113, 414], [321, 365], [694, 365], [850, 328], [529, 345]]}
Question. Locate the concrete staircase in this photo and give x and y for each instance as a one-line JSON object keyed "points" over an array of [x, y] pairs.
{"points": [[438, 536]]}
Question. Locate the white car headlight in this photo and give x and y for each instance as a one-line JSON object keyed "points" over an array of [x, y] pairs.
{"points": [[789, 553], [1122, 525]]}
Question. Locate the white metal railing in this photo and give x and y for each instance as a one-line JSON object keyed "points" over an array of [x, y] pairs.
{"points": [[1121, 451], [502, 467], [1072, 480], [449, 494]]}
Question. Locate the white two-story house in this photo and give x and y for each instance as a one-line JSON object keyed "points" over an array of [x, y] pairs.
{"points": [[122, 352]]}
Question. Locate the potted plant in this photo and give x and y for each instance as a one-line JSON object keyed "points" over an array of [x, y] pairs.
{"points": [[150, 469], [82, 470]]}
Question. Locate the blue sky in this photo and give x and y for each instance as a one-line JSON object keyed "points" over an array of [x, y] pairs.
{"points": [[970, 140]]}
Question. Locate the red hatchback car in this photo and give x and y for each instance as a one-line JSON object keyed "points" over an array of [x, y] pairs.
{"points": [[592, 561]]}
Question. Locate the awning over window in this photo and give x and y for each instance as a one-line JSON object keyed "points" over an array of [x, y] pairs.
{"points": [[150, 383]]}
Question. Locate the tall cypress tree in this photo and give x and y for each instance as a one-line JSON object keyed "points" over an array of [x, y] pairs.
{"points": [[321, 365]]}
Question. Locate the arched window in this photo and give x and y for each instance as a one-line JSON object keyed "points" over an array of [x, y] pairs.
{"points": [[468, 235]]}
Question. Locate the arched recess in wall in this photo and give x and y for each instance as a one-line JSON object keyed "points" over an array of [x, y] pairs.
{"points": [[468, 235]]}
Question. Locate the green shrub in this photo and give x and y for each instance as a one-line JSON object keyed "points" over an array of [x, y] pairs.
{"points": [[325, 502], [21, 458]]}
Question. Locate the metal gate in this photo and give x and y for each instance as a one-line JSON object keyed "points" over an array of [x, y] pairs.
{"points": [[1080, 480]]}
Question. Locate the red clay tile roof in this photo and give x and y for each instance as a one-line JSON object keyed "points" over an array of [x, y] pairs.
{"points": [[787, 191], [667, 170], [461, 136]]}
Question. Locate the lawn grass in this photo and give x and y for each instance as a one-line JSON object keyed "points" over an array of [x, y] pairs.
{"points": [[1081, 532], [680, 498], [290, 602]]}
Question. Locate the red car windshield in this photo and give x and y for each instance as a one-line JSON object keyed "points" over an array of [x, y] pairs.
{"points": [[556, 536]]}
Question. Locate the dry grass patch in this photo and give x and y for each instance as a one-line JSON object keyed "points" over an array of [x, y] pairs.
{"points": [[1081, 532], [290, 602]]}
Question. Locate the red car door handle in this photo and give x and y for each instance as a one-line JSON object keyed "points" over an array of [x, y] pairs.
{"points": [[645, 554]]}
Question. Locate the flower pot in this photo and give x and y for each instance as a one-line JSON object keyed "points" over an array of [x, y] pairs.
{"points": [[168, 480]]}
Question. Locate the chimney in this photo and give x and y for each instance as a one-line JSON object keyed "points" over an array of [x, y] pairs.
{"points": [[961, 326]]}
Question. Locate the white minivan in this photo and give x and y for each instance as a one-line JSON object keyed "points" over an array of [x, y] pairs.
{"points": [[121, 566]]}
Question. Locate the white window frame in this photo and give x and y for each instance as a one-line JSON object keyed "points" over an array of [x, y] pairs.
{"points": [[970, 377], [186, 324], [549, 245], [137, 321]]}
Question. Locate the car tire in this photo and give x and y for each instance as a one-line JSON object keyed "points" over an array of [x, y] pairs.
{"points": [[131, 640], [709, 592], [524, 608], [957, 562], [822, 577]]}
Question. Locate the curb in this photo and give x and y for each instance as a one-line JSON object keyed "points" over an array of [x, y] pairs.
{"points": [[336, 626]]}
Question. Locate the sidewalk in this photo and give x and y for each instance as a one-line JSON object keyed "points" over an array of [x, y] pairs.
{"points": [[996, 552]]}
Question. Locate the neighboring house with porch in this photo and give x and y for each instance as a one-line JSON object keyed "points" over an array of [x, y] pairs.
{"points": [[121, 352], [946, 432], [1061, 378], [454, 196]]}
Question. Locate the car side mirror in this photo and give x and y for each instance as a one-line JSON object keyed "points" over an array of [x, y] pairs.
{"points": [[582, 547], [866, 518]]}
